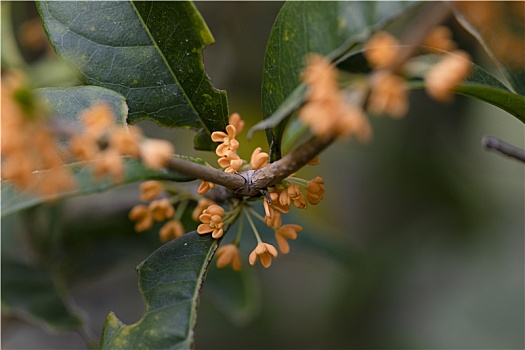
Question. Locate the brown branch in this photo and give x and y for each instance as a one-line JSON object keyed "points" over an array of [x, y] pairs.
{"points": [[251, 182], [493, 143], [231, 181], [293, 161]]}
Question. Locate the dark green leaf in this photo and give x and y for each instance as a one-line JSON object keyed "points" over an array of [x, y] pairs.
{"points": [[503, 41], [30, 292], [328, 28], [66, 103], [13, 200], [170, 280], [149, 51]]}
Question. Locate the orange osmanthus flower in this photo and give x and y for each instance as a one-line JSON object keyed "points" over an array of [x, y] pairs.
{"points": [[381, 51], [259, 159], [315, 190], [156, 153], [231, 162], [440, 38], [27, 144], [237, 122], [205, 186], [327, 112], [97, 119], [142, 217], [388, 95], [446, 74], [126, 140], [288, 231], [211, 219], [170, 230], [265, 252], [109, 162], [202, 204], [161, 209], [229, 143], [150, 190], [229, 255]]}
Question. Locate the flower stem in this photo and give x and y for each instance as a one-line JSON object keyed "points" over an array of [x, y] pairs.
{"points": [[239, 233], [297, 181], [259, 240], [181, 208]]}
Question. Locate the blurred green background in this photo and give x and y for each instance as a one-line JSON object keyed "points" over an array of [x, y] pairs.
{"points": [[419, 242]]}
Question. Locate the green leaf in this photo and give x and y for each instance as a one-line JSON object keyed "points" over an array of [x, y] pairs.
{"points": [[66, 103], [503, 41], [31, 292], [327, 28], [14, 200], [170, 280], [149, 51]]}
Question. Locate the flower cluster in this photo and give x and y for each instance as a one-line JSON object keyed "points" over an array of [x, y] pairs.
{"points": [[211, 219], [292, 191], [229, 145], [34, 159], [30, 153], [160, 208], [327, 113], [334, 113], [104, 143]]}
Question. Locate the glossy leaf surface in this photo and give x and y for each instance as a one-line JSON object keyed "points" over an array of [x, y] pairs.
{"points": [[170, 280], [327, 28], [149, 51], [66, 103]]}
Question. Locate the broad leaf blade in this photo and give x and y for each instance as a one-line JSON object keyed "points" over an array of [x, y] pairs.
{"points": [[31, 292], [501, 32], [328, 28], [149, 51], [170, 280], [13, 200]]}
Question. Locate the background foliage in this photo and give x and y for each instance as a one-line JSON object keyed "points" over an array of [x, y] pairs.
{"points": [[419, 242]]}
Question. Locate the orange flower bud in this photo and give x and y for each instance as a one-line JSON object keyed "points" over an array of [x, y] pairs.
{"points": [[161, 209], [381, 50], [156, 153], [285, 232], [141, 214], [150, 190], [170, 230], [229, 255], [265, 252]]}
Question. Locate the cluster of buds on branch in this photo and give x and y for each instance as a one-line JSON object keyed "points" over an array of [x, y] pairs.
{"points": [[328, 111]]}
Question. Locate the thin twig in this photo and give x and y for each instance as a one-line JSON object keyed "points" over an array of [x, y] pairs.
{"points": [[493, 143]]}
